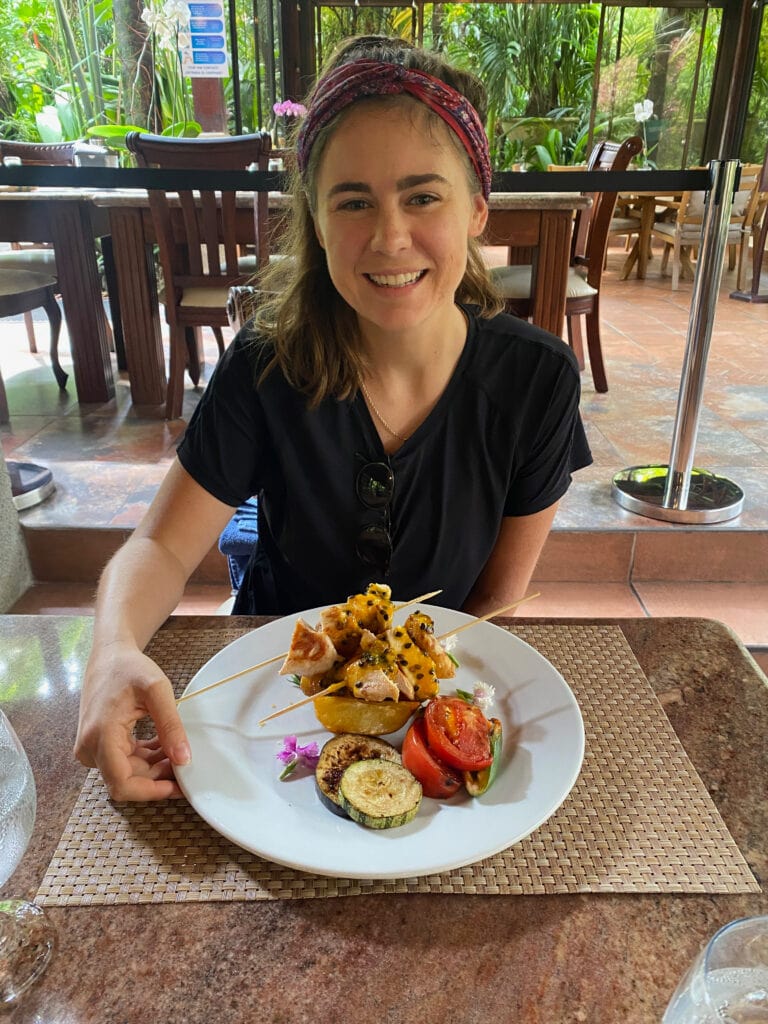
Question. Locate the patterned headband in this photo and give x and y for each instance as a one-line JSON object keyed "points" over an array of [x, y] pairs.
{"points": [[360, 78]]}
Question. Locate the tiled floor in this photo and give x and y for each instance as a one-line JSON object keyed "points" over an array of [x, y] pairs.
{"points": [[108, 461]]}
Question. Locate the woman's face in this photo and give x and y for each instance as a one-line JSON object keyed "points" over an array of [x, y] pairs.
{"points": [[393, 213]]}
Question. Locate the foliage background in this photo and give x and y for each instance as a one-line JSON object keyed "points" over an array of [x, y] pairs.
{"points": [[555, 84]]}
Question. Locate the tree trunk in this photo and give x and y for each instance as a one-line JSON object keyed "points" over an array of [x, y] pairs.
{"points": [[136, 65]]}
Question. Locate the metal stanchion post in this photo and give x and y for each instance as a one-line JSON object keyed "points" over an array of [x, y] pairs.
{"points": [[678, 492]]}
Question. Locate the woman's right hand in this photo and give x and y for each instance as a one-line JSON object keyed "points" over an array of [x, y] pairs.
{"points": [[121, 686]]}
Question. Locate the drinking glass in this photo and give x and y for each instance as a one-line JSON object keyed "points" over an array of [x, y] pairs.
{"points": [[26, 937], [728, 981]]}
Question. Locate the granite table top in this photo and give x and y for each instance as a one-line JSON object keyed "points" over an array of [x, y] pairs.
{"points": [[439, 959]]}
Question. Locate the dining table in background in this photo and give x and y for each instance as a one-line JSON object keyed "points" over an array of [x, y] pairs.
{"points": [[445, 958], [68, 219], [647, 206], [534, 226], [537, 228]]}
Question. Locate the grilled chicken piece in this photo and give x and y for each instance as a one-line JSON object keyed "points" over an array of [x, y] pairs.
{"points": [[373, 673], [311, 652], [417, 669], [421, 629], [373, 609], [340, 624]]}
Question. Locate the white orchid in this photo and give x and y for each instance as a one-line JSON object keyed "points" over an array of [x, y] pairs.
{"points": [[643, 111], [166, 20]]}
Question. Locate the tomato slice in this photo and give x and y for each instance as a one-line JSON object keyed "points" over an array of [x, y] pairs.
{"points": [[437, 780], [458, 733]]}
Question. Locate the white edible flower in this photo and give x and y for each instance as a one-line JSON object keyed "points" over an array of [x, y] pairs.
{"points": [[483, 695], [643, 111]]}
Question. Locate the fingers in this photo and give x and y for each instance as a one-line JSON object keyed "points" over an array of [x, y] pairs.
{"points": [[161, 705], [123, 686]]}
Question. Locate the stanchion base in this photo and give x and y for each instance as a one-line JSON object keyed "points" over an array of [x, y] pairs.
{"points": [[711, 498], [748, 297]]}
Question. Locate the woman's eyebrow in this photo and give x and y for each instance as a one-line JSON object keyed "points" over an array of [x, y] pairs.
{"points": [[411, 181]]}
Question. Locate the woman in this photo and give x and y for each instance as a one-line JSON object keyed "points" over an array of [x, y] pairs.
{"points": [[395, 427]]}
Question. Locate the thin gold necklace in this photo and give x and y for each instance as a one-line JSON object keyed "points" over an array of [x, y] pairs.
{"points": [[378, 415]]}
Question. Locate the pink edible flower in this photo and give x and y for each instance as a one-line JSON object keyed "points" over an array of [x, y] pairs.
{"points": [[293, 754]]}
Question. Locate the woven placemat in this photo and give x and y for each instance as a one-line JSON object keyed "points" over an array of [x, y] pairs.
{"points": [[639, 819]]}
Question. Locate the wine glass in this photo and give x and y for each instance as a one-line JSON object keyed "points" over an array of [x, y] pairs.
{"points": [[728, 980], [26, 936]]}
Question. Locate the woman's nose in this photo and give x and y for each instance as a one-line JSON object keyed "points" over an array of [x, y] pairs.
{"points": [[390, 232]]}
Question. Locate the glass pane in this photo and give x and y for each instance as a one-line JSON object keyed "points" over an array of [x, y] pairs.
{"points": [[756, 129], [651, 54]]}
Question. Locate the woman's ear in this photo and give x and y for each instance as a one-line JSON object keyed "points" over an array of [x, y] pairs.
{"points": [[479, 217]]}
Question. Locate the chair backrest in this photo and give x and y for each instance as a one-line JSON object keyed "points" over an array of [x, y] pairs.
{"points": [[43, 153], [208, 215], [691, 208], [747, 198], [593, 224]]}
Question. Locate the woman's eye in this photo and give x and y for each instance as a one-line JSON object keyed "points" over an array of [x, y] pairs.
{"points": [[353, 204], [423, 199]]}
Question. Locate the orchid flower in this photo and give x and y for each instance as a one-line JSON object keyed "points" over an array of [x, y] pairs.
{"points": [[287, 108], [643, 111], [293, 754]]}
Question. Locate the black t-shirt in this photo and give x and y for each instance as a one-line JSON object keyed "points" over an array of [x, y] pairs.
{"points": [[502, 440]]}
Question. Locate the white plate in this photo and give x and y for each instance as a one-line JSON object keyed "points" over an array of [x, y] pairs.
{"points": [[233, 781]]}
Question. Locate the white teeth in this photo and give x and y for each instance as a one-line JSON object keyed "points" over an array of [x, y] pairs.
{"points": [[395, 280]]}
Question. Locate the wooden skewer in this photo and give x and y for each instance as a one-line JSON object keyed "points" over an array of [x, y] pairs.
{"points": [[227, 679], [279, 657], [490, 615], [300, 703]]}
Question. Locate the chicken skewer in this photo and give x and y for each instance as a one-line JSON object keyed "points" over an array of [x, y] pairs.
{"points": [[284, 655], [339, 685]]}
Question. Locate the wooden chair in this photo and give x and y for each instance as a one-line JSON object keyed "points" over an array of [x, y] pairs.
{"points": [[681, 235], [20, 292], [198, 248], [36, 258], [750, 224], [590, 241]]}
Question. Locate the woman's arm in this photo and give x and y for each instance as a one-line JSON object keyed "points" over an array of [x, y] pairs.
{"points": [[140, 587], [508, 571]]}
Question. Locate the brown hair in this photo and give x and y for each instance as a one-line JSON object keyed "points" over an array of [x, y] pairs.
{"points": [[315, 332]]}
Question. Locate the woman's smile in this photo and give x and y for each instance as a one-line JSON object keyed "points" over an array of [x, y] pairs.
{"points": [[399, 281]]}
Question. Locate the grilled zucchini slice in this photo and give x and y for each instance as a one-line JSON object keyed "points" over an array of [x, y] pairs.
{"points": [[337, 755], [379, 794]]}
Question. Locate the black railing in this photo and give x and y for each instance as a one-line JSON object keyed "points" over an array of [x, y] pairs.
{"points": [[268, 181]]}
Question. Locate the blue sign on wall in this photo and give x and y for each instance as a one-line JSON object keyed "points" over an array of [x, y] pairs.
{"points": [[203, 45]]}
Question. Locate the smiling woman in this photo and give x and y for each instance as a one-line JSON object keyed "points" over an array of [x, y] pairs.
{"points": [[388, 419]]}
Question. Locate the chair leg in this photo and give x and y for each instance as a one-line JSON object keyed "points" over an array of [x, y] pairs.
{"points": [[665, 258], [53, 312], [217, 333], [175, 392], [194, 343], [676, 256], [595, 350], [30, 327], [575, 338]]}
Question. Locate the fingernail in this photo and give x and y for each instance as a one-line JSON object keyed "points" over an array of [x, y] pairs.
{"points": [[181, 753]]}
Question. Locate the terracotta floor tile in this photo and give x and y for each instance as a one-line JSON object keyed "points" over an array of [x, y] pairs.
{"points": [[761, 657], [742, 606], [584, 600]]}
